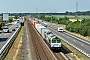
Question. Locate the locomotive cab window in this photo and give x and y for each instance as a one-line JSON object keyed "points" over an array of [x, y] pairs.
{"points": [[53, 41], [58, 41]]}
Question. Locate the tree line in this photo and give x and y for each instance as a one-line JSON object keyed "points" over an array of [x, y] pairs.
{"points": [[51, 13]]}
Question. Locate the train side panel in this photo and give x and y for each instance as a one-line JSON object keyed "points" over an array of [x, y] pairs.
{"points": [[43, 31], [40, 29], [37, 26], [43, 28]]}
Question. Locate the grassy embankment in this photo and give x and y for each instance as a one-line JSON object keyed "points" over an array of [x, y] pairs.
{"points": [[15, 51]]}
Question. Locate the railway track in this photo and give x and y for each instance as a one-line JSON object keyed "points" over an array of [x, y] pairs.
{"points": [[41, 52], [59, 56]]}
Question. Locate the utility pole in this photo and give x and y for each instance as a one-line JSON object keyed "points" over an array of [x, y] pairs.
{"points": [[44, 11], [76, 9], [36, 12]]}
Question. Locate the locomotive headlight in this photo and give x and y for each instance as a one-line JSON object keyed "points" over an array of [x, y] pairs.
{"points": [[60, 45], [55, 45]]}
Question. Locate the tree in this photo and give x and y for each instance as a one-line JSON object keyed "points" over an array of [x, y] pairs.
{"points": [[41, 16], [66, 12], [88, 31], [84, 31], [16, 16], [0, 25], [10, 19], [66, 18]]}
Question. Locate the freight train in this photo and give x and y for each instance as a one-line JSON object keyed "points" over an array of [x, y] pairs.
{"points": [[51, 39]]}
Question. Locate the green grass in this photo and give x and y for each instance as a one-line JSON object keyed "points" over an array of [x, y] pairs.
{"points": [[70, 16]]}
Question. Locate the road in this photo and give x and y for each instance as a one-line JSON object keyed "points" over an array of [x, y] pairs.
{"points": [[5, 36]]}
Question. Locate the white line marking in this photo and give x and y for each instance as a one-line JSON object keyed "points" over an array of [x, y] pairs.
{"points": [[78, 38]]}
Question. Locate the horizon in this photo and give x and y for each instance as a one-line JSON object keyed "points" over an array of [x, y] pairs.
{"points": [[44, 12]]}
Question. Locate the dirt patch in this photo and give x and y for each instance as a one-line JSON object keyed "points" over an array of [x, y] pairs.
{"points": [[73, 20]]}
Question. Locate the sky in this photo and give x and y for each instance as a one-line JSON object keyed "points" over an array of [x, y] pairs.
{"points": [[30, 6]]}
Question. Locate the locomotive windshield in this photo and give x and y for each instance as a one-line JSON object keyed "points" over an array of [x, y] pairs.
{"points": [[53, 41], [58, 41]]}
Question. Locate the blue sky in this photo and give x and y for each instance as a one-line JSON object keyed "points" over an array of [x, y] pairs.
{"points": [[43, 5]]}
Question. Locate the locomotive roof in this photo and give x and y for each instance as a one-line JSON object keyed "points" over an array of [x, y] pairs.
{"points": [[50, 35]]}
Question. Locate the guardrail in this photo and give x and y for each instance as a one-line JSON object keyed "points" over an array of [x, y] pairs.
{"points": [[4, 50]]}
